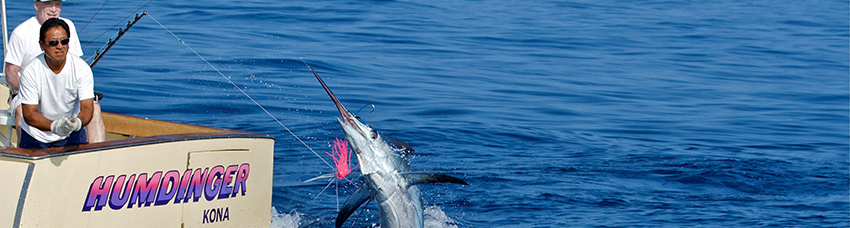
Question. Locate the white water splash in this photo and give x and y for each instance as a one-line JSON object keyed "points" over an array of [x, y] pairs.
{"points": [[283, 220], [436, 218]]}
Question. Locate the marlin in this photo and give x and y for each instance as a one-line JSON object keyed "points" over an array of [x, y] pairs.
{"points": [[387, 175]]}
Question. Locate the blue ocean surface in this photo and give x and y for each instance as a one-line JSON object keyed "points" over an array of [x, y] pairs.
{"points": [[558, 113]]}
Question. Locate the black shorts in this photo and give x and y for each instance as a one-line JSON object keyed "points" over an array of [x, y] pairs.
{"points": [[76, 138]]}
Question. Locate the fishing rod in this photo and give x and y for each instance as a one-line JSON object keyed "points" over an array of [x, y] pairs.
{"points": [[98, 54]]}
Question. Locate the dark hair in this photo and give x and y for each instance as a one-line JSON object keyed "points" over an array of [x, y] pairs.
{"points": [[50, 23]]}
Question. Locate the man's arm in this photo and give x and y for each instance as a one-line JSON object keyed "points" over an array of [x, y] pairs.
{"points": [[86, 111], [37, 120], [12, 76], [34, 118]]}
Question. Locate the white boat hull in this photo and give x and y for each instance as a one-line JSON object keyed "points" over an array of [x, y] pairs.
{"points": [[193, 177]]}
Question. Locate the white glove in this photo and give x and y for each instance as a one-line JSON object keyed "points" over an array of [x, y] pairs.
{"points": [[64, 126], [75, 123]]}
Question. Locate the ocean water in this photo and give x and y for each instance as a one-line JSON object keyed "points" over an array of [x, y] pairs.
{"points": [[558, 113]]}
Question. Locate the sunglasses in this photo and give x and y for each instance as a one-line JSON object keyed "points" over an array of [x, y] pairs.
{"points": [[53, 43]]}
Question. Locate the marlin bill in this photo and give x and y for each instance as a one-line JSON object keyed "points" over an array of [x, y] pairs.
{"points": [[386, 172]]}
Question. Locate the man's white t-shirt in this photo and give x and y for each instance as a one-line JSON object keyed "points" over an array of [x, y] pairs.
{"points": [[57, 95], [23, 43]]}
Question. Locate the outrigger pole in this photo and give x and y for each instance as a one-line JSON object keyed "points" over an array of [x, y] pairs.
{"points": [[98, 54], [5, 32]]}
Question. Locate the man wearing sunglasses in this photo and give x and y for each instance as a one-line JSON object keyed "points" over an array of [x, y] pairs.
{"points": [[57, 92], [24, 46]]}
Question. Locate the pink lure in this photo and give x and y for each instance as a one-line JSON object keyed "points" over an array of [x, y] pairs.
{"points": [[342, 158]]}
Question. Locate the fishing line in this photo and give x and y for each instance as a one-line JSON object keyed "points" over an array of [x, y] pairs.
{"points": [[325, 188], [140, 6], [72, 9], [241, 90], [92, 16]]}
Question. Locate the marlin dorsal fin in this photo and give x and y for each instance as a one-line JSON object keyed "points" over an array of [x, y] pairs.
{"points": [[429, 178], [364, 193]]}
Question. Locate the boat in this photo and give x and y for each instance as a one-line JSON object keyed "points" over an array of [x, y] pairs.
{"points": [[148, 173]]}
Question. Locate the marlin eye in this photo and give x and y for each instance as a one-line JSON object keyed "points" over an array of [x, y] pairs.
{"points": [[374, 134]]}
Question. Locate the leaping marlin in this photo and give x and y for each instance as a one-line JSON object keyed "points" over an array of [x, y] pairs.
{"points": [[386, 173]]}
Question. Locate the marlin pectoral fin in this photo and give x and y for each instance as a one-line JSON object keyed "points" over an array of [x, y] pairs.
{"points": [[428, 178], [401, 145], [364, 193]]}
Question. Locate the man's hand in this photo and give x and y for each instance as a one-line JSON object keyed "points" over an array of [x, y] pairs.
{"points": [[64, 126]]}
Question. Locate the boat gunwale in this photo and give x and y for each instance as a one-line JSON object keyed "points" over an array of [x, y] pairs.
{"points": [[36, 154]]}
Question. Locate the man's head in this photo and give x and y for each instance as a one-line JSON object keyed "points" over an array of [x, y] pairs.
{"points": [[53, 38], [46, 9]]}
